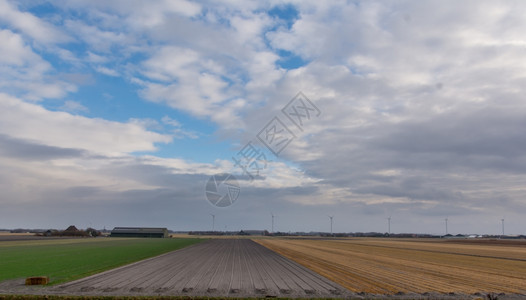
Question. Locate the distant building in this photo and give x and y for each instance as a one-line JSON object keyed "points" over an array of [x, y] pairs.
{"points": [[251, 232], [71, 228], [139, 232]]}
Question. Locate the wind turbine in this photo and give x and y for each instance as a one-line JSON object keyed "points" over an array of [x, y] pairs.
{"points": [[330, 217], [502, 226], [446, 226], [389, 225], [272, 222], [213, 221]]}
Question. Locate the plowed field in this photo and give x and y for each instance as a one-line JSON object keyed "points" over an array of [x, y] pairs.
{"points": [[218, 268], [385, 266]]}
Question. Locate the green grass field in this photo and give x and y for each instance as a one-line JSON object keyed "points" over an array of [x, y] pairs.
{"points": [[65, 260]]}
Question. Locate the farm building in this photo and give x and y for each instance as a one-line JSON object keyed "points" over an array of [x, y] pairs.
{"points": [[139, 232]]}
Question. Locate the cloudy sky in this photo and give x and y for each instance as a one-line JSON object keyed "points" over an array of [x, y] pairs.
{"points": [[117, 113]]}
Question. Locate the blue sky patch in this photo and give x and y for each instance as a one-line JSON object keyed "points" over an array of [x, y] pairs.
{"points": [[287, 13], [289, 60]]}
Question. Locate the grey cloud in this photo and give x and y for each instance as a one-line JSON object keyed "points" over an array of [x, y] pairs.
{"points": [[421, 192], [432, 91], [491, 131], [27, 150]]}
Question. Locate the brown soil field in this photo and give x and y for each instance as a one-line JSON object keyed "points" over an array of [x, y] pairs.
{"points": [[388, 266], [503, 242]]}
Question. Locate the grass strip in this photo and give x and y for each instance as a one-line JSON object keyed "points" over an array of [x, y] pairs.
{"points": [[66, 260]]}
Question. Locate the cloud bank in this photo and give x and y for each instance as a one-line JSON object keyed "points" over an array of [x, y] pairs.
{"points": [[422, 113]]}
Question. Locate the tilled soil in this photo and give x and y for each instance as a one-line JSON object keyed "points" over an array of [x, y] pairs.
{"points": [[215, 268]]}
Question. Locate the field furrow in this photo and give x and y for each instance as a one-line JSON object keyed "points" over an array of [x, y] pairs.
{"points": [[212, 268], [387, 266]]}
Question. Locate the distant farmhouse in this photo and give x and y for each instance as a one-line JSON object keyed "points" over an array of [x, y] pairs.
{"points": [[139, 232]]}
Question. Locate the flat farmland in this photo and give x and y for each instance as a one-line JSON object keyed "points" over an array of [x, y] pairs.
{"points": [[213, 268], [381, 266]]}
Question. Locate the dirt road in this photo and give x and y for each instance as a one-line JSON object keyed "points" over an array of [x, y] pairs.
{"points": [[235, 268]]}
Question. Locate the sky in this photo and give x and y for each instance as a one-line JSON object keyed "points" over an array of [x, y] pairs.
{"points": [[119, 113]]}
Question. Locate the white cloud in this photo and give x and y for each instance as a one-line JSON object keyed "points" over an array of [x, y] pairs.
{"points": [[15, 53], [194, 84], [24, 71], [146, 123], [184, 7], [170, 121], [180, 166], [156, 12], [178, 132], [68, 56], [60, 129], [98, 39], [74, 107], [95, 58], [210, 78], [172, 63], [107, 71], [30, 25], [36, 180]]}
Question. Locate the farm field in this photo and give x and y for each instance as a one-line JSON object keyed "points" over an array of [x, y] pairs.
{"points": [[214, 268], [383, 266], [68, 259]]}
